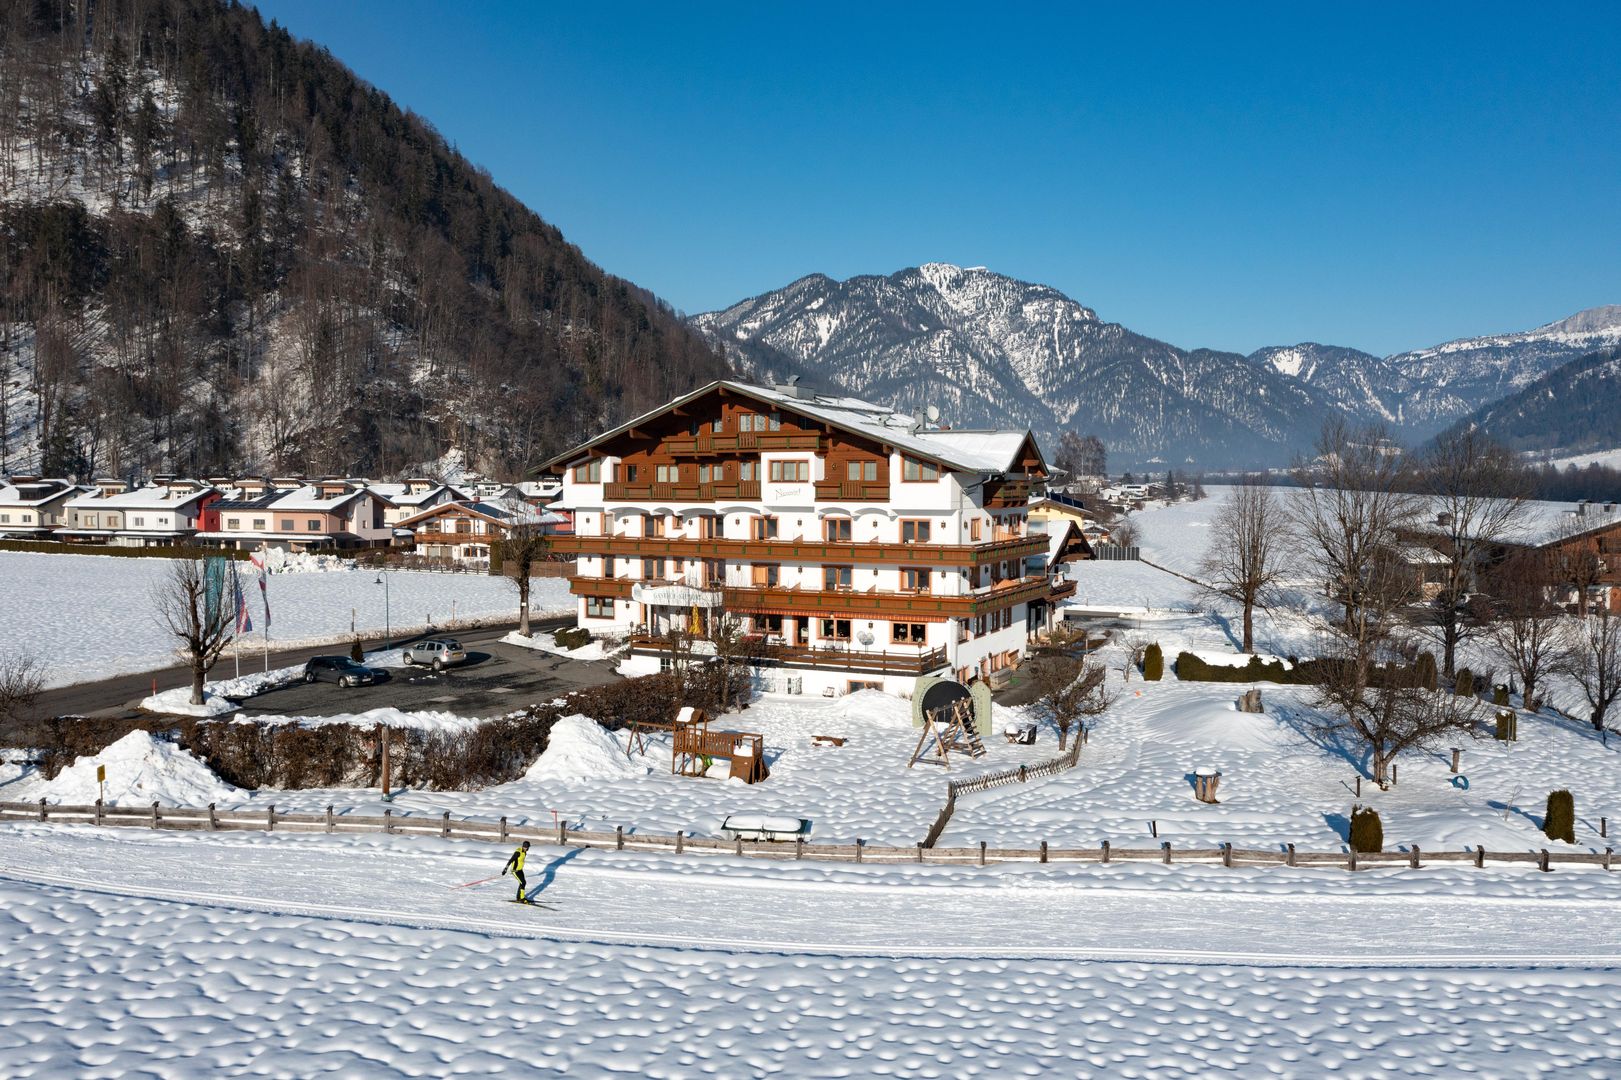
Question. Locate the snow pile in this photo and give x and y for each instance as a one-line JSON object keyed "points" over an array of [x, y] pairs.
{"points": [[425, 720], [177, 702], [579, 748], [140, 770], [542, 642], [1239, 660], [255, 683], [278, 561]]}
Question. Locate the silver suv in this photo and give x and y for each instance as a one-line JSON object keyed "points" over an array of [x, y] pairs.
{"points": [[437, 654]]}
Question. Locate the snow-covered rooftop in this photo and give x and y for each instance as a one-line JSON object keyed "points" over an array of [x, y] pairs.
{"points": [[34, 492], [151, 497]]}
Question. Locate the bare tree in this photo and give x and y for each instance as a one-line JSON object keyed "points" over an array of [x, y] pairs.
{"points": [[1381, 710], [1593, 658], [737, 652], [1527, 628], [1478, 491], [1125, 533], [1068, 689], [22, 678], [198, 614], [523, 544], [1245, 556], [1136, 647]]}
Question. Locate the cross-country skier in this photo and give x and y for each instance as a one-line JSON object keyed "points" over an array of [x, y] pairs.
{"points": [[515, 864]]}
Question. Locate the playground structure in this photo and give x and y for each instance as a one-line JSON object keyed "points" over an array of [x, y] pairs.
{"points": [[947, 712], [694, 747]]}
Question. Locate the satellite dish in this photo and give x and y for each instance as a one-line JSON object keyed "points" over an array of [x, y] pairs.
{"points": [[933, 413]]}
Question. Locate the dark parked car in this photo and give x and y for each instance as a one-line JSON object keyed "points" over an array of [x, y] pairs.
{"points": [[339, 669]]}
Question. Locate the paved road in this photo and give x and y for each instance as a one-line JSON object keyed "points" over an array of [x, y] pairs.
{"points": [[119, 694]]}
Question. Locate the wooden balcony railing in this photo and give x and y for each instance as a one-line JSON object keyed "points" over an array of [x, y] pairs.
{"points": [[860, 490], [876, 663], [877, 603], [1003, 494], [747, 490], [809, 552], [436, 537], [706, 443]]}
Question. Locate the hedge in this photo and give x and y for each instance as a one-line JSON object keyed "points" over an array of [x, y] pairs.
{"points": [[1190, 668], [166, 552]]}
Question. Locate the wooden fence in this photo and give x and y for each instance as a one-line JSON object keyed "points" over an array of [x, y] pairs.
{"points": [[1018, 774], [270, 819]]}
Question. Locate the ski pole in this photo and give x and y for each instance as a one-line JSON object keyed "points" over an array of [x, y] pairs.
{"points": [[480, 881]]}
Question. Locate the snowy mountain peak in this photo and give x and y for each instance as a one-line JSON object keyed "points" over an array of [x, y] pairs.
{"points": [[1604, 320]]}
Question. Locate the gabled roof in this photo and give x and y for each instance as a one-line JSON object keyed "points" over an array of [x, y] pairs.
{"points": [[964, 451], [151, 497], [36, 492], [310, 497], [495, 513], [400, 496]]}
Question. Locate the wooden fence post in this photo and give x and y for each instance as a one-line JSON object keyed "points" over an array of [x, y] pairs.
{"points": [[213, 819], [737, 847], [1480, 856], [388, 819], [982, 853], [154, 813], [1153, 829], [860, 843], [1105, 851], [1607, 858], [1542, 864], [1603, 828], [270, 818], [1412, 858], [1227, 853], [444, 827], [99, 809], [503, 827], [680, 841], [330, 826], [1291, 860], [1393, 767], [1044, 851], [619, 838], [42, 809], [1022, 774], [919, 851], [1165, 847], [562, 833], [1350, 858], [1456, 752], [799, 847]]}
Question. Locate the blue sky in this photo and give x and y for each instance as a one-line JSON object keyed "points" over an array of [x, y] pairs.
{"points": [[1379, 176]]}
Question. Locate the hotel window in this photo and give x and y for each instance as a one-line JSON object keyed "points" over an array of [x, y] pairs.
{"points": [[903, 633], [589, 473], [653, 569], [763, 528], [140, 522], [748, 470], [718, 424], [765, 577], [913, 469], [914, 530], [915, 579], [314, 525], [653, 525], [707, 527], [836, 577], [790, 471], [861, 470], [756, 422], [286, 524], [836, 530], [708, 474], [259, 523], [835, 629], [599, 607], [233, 523], [974, 528], [607, 566], [668, 474], [627, 473]]}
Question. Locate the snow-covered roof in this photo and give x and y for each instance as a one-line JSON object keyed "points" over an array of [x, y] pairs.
{"points": [[968, 451], [314, 497], [35, 492], [503, 513], [399, 495], [151, 497], [1542, 522]]}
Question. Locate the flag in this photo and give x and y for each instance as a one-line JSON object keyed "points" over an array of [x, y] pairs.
{"points": [[244, 621], [258, 561]]}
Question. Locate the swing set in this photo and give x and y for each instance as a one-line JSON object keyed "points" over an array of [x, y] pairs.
{"points": [[694, 747]]}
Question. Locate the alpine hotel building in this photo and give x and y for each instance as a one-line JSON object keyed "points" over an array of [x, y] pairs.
{"points": [[864, 548]]}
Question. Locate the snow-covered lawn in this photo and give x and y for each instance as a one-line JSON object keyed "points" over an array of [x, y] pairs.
{"points": [[88, 617], [188, 955]]}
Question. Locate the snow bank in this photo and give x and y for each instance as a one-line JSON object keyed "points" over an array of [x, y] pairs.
{"points": [[177, 702], [542, 642], [427, 720], [278, 561], [255, 683], [1239, 660], [140, 770], [579, 748]]}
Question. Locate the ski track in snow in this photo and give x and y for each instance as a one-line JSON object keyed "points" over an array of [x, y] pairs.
{"points": [[187, 955]]}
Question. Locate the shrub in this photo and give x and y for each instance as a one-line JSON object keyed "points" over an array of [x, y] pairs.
{"points": [[1367, 831], [356, 653], [1153, 663], [572, 637], [1508, 726], [1559, 820], [1424, 672], [1465, 685], [1499, 694]]}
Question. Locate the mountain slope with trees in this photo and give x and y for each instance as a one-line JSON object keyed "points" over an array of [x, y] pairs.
{"points": [[221, 249], [1573, 408]]}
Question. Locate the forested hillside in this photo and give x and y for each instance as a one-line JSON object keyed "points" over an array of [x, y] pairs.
{"points": [[220, 248]]}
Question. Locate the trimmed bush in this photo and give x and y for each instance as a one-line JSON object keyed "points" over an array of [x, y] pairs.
{"points": [[49, 547], [1153, 663], [1559, 820], [572, 638], [1367, 831], [1424, 672], [356, 653], [1499, 694], [1508, 726], [1465, 684]]}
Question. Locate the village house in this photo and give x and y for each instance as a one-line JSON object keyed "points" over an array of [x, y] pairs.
{"points": [[858, 547], [289, 513], [410, 497], [464, 532], [166, 512], [32, 508]]}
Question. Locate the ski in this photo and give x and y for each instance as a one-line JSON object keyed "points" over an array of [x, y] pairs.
{"points": [[532, 903]]}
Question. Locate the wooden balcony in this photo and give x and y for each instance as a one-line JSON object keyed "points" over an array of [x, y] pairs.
{"points": [[436, 537], [1006, 494], [743, 490], [852, 491], [852, 660], [807, 552], [708, 443], [886, 604], [617, 588]]}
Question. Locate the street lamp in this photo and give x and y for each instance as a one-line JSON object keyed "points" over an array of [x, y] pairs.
{"points": [[388, 628]]}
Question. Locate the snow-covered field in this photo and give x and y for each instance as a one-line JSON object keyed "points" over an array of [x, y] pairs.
{"points": [[191, 955], [92, 616]]}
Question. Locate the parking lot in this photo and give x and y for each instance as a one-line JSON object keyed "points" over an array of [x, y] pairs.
{"points": [[496, 679]]}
